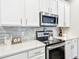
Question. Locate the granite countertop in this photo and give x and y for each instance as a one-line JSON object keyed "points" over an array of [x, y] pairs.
{"points": [[66, 37], [25, 46]]}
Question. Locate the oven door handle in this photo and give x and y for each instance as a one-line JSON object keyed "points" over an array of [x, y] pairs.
{"points": [[55, 46]]}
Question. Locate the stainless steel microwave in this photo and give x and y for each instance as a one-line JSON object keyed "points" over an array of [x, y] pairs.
{"points": [[47, 19]]}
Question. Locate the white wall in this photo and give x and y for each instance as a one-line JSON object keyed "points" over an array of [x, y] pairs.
{"points": [[75, 17]]}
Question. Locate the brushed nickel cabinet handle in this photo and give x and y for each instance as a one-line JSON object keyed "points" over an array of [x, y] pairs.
{"points": [[51, 10], [21, 20], [72, 47], [26, 21]]}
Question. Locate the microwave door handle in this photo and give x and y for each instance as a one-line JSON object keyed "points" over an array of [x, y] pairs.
{"points": [[57, 20]]}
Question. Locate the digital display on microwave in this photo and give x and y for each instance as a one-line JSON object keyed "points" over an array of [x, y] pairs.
{"points": [[48, 19]]}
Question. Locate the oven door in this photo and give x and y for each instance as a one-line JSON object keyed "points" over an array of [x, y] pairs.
{"points": [[55, 51], [49, 19]]}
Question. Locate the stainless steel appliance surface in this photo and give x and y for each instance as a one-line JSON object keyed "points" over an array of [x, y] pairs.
{"points": [[43, 37], [54, 48], [47, 19]]}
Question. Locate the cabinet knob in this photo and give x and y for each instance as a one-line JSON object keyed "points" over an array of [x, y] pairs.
{"points": [[72, 46]]}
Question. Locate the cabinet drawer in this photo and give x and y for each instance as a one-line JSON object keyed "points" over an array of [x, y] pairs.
{"points": [[42, 56], [36, 52], [74, 40], [68, 42], [17, 56]]}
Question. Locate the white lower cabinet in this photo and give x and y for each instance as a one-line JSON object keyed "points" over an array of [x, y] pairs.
{"points": [[18, 56], [78, 48], [74, 48], [38, 53], [71, 49], [42, 56], [68, 50]]}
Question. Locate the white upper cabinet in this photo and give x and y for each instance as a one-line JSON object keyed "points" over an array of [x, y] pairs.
{"points": [[53, 6], [26, 12], [44, 5], [61, 13], [49, 6], [64, 13], [19, 13], [12, 12], [32, 13], [67, 14]]}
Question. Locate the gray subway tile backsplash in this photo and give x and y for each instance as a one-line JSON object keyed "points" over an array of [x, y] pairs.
{"points": [[29, 32]]}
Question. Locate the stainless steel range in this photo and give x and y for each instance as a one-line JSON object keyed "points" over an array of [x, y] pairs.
{"points": [[54, 48]]}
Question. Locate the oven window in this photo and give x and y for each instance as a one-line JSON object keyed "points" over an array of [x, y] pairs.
{"points": [[48, 19], [57, 53]]}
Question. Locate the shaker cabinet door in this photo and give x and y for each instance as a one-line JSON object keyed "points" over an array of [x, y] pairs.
{"points": [[53, 6], [67, 14], [68, 50], [44, 5], [12, 12], [49, 6], [32, 13], [61, 13], [74, 48], [64, 13]]}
